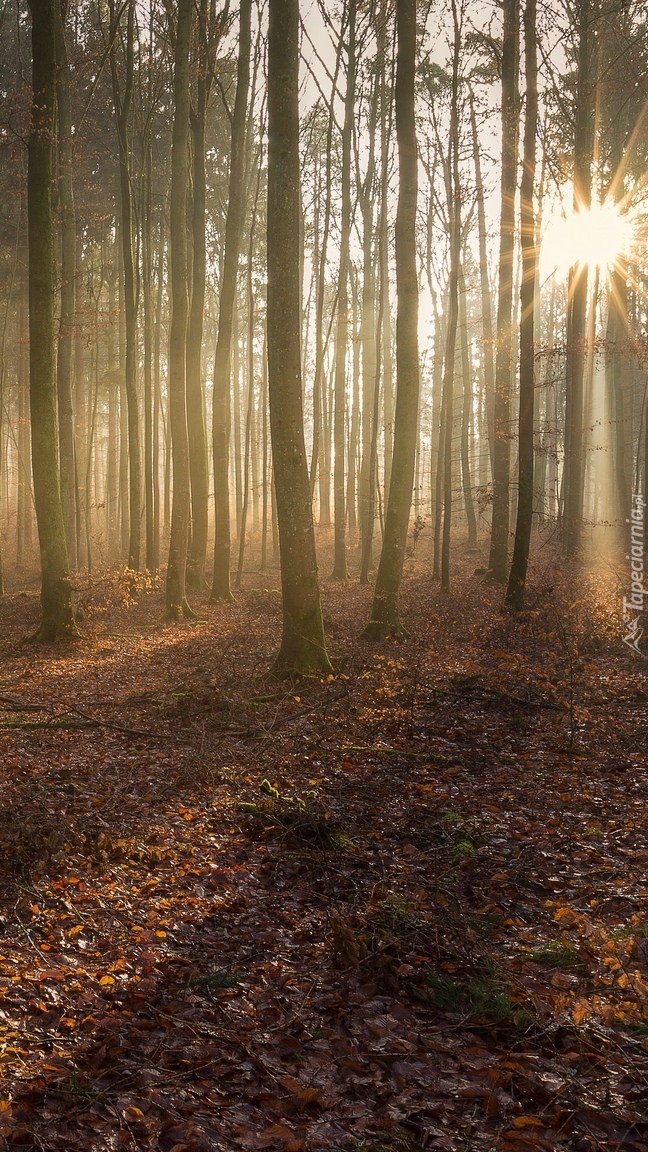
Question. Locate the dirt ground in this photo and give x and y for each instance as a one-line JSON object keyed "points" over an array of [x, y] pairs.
{"points": [[399, 907]]}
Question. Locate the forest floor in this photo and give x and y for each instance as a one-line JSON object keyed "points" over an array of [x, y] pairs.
{"points": [[399, 907]]}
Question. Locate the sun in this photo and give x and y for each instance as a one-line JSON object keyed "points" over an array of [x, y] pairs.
{"points": [[597, 237]]}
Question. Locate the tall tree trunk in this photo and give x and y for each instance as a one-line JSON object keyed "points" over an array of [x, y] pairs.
{"points": [[519, 565], [176, 601], [157, 400], [147, 295], [56, 592], [454, 211], [466, 415], [386, 104], [195, 393], [249, 415], [368, 328], [122, 102], [577, 295], [302, 647], [67, 219], [498, 559], [616, 371], [340, 570], [486, 303], [354, 425], [385, 618], [221, 587]]}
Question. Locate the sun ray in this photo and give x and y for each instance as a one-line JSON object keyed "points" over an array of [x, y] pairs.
{"points": [[597, 238]]}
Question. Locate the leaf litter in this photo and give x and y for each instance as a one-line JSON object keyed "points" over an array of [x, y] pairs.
{"points": [[399, 907]]}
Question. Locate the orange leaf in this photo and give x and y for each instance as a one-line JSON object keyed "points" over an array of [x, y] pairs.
{"points": [[528, 1122], [581, 1012], [133, 1113]]}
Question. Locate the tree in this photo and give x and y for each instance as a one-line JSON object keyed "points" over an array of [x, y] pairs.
{"points": [[385, 618], [577, 290], [68, 293], [209, 33], [518, 573], [176, 601], [454, 211], [221, 586], [122, 101], [498, 561], [56, 592], [340, 571], [303, 647]]}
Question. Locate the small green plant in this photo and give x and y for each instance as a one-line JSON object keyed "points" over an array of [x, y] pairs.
{"points": [[489, 995], [76, 1085], [638, 1027], [447, 995], [486, 994], [220, 979], [557, 954], [449, 816], [485, 923], [300, 815], [463, 849]]}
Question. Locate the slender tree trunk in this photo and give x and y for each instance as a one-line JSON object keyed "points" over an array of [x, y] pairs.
{"points": [[386, 105], [466, 415], [235, 403], [122, 101], [176, 601], [249, 416], [368, 328], [56, 592], [486, 304], [320, 252], [325, 456], [147, 295], [302, 647], [518, 573], [354, 426], [616, 365], [498, 560], [577, 296], [195, 393], [157, 402], [385, 618], [454, 211], [67, 275], [264, 458], [340, 570], [221, 587]]}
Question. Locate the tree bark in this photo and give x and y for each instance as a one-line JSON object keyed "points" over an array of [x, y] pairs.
{"points": [[498, 559], [518, 573], [221, 586], [454, 212], [340, 570], [385, 619], [303, 647], [56, 592], [466, 414], [67, 220], [577, 296], [197, 431], [122, 102], [486, 303], [176, 601]]}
